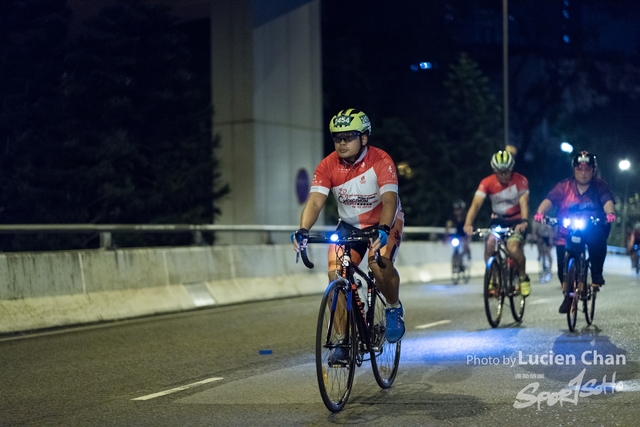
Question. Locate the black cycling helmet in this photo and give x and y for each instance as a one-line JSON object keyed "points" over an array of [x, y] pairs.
{"points": [[459, 204], [584, 157]]}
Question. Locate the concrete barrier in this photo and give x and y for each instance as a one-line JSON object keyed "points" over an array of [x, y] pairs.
{"points": [[53, 289]]}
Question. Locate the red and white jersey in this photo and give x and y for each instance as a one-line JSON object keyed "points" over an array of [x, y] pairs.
{"points": [[505, 199], [358, 187]]}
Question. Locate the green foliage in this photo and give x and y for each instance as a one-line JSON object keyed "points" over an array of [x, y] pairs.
{"points": [[124, 137]]}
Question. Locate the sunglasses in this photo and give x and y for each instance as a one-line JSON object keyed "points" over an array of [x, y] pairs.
{"points": [[584, 167], [347, 136]]}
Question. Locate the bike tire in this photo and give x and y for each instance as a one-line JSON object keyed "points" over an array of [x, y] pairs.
{"points": [[466, 270], [516, 300], [571, 279], [590, 304], [385, 356], [493, 299], [335, 380], [456, 267]]}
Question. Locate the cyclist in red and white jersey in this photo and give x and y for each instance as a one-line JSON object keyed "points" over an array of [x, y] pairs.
{"points": [[509, 195], [364, 181]]}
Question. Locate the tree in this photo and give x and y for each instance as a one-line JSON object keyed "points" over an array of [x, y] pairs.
{"points": [[132, 139], [471, 130]]}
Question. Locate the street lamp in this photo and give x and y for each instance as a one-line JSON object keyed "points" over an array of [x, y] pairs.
{"points": [[625, 165], [566, 147]]}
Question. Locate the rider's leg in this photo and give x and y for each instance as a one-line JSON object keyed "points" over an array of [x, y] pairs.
{"points": [[387, 279], [517, 253], [489, 246], [597, 244]]}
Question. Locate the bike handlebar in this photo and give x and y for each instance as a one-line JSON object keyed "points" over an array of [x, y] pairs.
{"points": [[337, 239], [559, 221], [495, 229]]}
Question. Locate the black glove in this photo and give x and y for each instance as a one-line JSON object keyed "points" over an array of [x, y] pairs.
{"points": [[300, 235]]}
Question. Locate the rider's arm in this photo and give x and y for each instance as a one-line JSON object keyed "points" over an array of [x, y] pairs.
{"points": [[524, 212], [312, 209], [389, 208], [476, 204], [609, 207], [545, 205]]}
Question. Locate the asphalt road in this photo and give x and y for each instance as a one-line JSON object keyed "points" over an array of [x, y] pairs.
{"points": [[253, 365]]}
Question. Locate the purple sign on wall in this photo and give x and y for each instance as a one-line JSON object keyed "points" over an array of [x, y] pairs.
{"points": [[302, 186]]}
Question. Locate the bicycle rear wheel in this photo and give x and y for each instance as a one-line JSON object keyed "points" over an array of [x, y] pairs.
{"points": [[335, 332], [493, 293], [385, 356], [516, 300], [572, 290], [466, 269], [456, 267]]}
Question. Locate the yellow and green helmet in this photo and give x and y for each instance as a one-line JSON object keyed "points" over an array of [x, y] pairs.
{"points": [[502, 160], [350, 120]]}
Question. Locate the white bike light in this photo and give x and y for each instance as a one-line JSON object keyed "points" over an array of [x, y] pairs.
{"points": [[334, 237], [455, 242]]}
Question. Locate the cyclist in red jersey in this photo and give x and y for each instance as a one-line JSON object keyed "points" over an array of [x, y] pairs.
{"points": [[509, 195], [587, 196], [632, 245], [364, 181]]}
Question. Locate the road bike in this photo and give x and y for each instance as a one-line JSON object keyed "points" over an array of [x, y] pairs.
{"points": [[351, 321], [460, 269], [501, 279], [636, 249], [577, 269]]}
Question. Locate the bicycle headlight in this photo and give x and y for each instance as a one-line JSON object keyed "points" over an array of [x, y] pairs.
{"points": [[455, 242], [334, 237]]}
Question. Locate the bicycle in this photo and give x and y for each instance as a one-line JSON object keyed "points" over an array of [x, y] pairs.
{"points": [[352, 319], [577, 269], [460, 270], [501, 279]]}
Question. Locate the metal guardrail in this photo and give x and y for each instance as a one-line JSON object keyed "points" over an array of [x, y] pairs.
{"points": [[106, 230], [106, 240]]}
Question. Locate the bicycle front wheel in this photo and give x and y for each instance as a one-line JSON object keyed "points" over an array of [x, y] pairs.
{"points": [[335, 347], [572, 291], [385, 356], [493, 292], [516, 300]]}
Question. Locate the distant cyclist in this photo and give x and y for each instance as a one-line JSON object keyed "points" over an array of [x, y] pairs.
{"points": [[509, 195], [633, 243], [545, 238], [454, 226], [587, 196]]}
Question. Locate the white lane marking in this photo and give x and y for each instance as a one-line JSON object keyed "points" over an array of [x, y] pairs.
{"points": [[539, 301], [173, 390], [429, 325]]}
